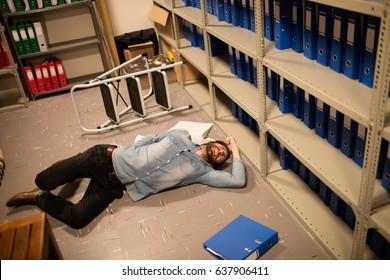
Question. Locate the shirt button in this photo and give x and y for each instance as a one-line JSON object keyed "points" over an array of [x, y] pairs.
{"points": [[168, 160], [136, 178]]}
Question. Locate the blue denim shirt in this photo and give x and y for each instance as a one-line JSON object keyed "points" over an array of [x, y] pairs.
{"points": [[166, 160]]}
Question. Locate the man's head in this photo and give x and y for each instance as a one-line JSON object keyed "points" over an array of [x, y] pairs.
{"points": [[217, 152]]}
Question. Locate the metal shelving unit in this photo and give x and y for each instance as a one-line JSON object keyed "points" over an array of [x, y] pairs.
{"points": [[306, 74], [72, 34], [357, 186], [12, 95]]}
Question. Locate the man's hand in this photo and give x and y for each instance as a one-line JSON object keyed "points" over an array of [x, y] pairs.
{"points": [[233, 146]]}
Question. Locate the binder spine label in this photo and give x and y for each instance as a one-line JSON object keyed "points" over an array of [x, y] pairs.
{"points": [[332, 113], [337, 29], [347, 122], [361, 132], [351, 32], [370, 39]]}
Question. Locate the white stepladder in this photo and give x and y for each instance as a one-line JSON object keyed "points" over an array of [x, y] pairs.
{"points": [[158, 87]]}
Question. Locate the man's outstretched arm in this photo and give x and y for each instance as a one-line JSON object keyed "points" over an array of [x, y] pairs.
{"points": [[233, 147], [152, 138]]}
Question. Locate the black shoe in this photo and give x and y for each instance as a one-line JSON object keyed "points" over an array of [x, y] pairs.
{"points": [[24, 198]]}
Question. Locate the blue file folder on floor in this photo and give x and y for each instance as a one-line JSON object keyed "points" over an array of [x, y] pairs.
{"points": [[240, 239]]}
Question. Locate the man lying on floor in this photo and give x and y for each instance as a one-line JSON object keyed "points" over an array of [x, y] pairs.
{"points": [[154, 163]]}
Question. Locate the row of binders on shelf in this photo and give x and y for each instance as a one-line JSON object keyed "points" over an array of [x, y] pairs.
{"points": [[240, 13], [341, 131], [49, 75], [4, 56], [194, 34], [378, 244], [244, 118], [11, 6], [346, 41], [326, 194], [29, 38], [243, 66]]}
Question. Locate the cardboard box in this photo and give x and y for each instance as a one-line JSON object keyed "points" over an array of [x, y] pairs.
{"points": [[190, 72], [134, 50], [164, 22], [154, 61]]}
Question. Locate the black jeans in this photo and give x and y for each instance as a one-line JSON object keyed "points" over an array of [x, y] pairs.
{"points": [[100, 192]]}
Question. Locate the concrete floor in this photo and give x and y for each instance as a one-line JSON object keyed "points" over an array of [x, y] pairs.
{"points": [[170, 225]]}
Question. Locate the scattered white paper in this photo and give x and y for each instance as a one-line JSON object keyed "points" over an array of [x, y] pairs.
{"points": [[197, 130], [194, 128], [138, 137]]}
